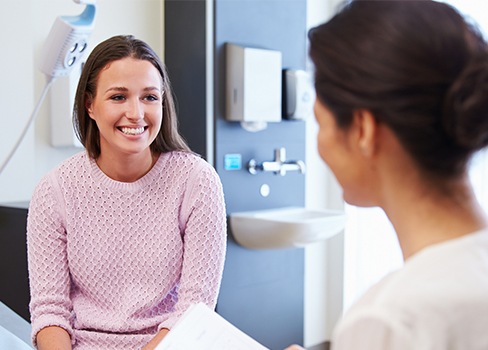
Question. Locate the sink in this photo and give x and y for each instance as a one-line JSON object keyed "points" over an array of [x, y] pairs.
{"points": [[285, 227]]}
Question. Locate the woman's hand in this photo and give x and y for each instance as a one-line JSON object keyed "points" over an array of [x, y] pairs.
{"points": [[295, 347], [156, 340]]}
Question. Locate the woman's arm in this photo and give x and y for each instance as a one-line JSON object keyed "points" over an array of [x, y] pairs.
{"points": [[53, 338], [203, 222], [50, 303], [205, 240]]}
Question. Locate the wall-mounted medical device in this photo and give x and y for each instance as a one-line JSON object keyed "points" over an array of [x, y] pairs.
{"points": [[298, 94], [253, 86], [62, 57], [63, 51], [67, 41]]}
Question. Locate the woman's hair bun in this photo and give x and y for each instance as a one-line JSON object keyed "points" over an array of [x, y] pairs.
{"points": [[466, 105]]}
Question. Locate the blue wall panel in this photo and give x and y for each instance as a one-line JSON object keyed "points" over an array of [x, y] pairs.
{"points": [[262, 291]]}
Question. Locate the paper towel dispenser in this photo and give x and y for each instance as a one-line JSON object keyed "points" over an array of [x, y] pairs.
{"points": [[253, 85]]}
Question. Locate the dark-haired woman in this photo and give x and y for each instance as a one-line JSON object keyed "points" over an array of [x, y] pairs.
{"points": [[125, 236], [402, 106]]}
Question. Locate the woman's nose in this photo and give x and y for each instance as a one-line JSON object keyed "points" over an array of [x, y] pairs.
{"points": [[135, 109]]}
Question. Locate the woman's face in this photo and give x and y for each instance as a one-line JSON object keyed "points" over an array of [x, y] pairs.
{"points": [[127, 107], [338, 148]]}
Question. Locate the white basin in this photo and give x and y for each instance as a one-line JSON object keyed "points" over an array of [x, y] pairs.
{"points": [[285, 227]]}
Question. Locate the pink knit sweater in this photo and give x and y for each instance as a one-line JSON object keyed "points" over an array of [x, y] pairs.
{"points": [[113, 262]]}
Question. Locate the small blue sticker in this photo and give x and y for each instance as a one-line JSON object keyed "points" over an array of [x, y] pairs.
{"points": [[232, 162]]}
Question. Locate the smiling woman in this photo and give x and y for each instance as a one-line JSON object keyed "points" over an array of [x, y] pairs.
{"points": [[127, 110], [124, 237]]}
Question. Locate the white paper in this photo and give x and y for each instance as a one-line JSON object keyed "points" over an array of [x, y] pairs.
{"points": [[200, 328]]}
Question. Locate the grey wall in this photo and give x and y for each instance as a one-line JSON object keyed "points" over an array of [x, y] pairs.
{"points": [[186, 61]]}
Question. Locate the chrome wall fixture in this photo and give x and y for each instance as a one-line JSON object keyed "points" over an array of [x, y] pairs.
{"points": [[279, 166]]}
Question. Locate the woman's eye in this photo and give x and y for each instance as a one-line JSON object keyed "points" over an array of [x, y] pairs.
{"points": [[117, 97], [151, 98]]}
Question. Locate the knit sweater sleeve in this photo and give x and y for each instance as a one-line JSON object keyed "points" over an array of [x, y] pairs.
{"points": [[203, 223], [47, 260]]}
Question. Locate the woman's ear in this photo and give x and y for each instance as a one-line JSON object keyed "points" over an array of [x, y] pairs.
{"points": [[88, 105], [367, 131]]}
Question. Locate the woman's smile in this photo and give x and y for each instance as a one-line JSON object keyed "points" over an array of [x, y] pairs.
{"points": [[131, 130]]}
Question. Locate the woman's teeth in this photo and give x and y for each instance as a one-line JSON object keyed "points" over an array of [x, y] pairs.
{"points": [[132, 131]]}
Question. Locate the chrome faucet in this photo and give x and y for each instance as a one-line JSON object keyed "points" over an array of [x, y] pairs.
{"points": [[279, 166]]}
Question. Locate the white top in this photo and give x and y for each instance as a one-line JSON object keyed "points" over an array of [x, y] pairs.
{"points": [[437, 301]]}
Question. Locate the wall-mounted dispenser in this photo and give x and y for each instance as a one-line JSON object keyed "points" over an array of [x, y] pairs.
{"points": [[253, 86], [299, 94]]}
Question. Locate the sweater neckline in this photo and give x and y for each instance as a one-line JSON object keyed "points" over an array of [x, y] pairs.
{"points": [[100, 177]]}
